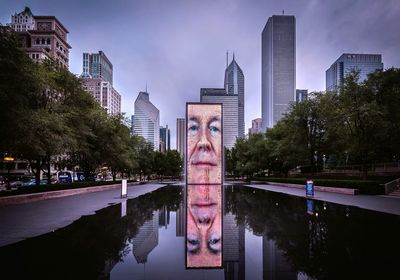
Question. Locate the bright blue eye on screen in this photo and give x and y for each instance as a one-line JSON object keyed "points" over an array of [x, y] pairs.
{"points": [[214, 129], [194, 128]]}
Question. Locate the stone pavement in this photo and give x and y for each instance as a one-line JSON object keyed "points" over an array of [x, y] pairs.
{"points": [[379, 203], [21, 221]]}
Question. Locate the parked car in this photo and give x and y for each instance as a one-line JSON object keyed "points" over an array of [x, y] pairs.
{"points": [[32, 182]]}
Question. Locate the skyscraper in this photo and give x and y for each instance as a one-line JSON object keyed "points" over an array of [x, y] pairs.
{"points": [[301, 95], [234, 85], [105, 94], [97, 77], [42, 37], [147, 120], [232, 99], [97, 66], [256, 126], [165, 139], [229, 112], [347, 62], [278, 68], [180, 136]]}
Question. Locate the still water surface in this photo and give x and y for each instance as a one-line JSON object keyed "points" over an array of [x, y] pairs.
{"points": [[266, 235]]}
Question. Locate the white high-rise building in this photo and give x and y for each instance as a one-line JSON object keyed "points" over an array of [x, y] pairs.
{"points": [[147, 120], [234, 85]]}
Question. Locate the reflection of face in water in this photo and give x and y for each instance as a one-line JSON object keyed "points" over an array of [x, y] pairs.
{"points": [[204, 226], [204, 144]]}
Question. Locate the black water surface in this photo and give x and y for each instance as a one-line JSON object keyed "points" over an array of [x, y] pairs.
{"points": [[266, 236]]}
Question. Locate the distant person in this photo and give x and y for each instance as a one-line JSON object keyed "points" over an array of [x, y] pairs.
{"points": [[204, 144], [204, 226]]}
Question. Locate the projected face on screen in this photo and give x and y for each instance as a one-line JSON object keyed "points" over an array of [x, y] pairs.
{"points": [[204, 143], [204, 226]]}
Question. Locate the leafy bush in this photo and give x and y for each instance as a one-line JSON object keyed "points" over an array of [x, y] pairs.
{"points": [[57, 187]]}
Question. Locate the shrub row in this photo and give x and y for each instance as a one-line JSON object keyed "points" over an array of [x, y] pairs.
{"points": [[57, 187]]}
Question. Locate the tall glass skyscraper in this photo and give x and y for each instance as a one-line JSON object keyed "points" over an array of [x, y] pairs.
{"points": [[278, 68], [147, 120], [234, 85], [347, 62]]}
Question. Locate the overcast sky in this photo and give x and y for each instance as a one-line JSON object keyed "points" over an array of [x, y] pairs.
{"points": [[179, 46]]}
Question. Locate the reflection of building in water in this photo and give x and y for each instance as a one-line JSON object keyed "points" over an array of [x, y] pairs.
{"points": [[180, 221], [146, 239], [233, 248], [163, 217], [275, 264]]}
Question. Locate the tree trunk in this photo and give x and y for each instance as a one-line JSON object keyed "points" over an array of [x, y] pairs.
{"points": [[48, 170]]}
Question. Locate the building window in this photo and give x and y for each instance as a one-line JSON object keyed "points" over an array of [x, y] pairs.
{"points": [[48, 41], [43, 41]]}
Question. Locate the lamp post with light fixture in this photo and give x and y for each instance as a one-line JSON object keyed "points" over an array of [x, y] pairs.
{"points": [[9, 160]]}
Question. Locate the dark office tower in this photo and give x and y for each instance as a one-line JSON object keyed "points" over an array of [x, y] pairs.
{"points": [[278, 68], [97, 66], [301, 95], [234, 85], [165, 138]]}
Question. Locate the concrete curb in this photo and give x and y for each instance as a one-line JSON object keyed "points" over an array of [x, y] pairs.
{"points": [[26, 198], [316, 188]]}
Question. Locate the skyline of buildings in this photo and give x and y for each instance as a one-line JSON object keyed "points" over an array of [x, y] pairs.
{"points": [[278, 70], [147, 120], [32, 27], [346, 63]]}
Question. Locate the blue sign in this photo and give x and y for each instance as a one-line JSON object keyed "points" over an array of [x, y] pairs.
{"points": [[65, 177], [80, 177], [309, 188]]}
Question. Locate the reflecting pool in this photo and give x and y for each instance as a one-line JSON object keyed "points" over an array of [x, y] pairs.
{"points": [[266, 235]]}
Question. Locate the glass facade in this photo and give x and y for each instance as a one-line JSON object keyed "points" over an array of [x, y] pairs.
{"points": [[278, 68], [346, 63]]}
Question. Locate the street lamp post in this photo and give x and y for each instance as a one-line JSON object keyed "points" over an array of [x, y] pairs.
{"points": [[9, 160]]}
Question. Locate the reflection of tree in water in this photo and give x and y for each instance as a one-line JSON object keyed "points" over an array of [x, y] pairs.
{"points": [[339, 242], [89, 247]]}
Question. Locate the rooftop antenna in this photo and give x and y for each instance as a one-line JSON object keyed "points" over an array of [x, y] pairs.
{"points": [[283, 12], [226, 58], [146, 86], [233, 56]]}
